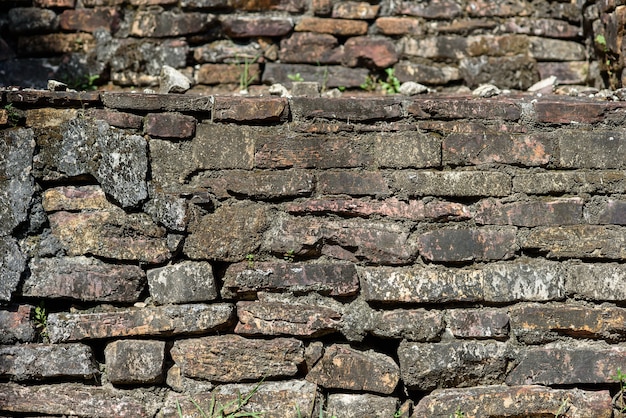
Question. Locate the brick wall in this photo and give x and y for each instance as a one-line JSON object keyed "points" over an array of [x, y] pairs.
{"points": [[364, 256], [442, 43]]}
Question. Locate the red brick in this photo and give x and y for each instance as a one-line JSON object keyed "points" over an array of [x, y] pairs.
{"points": [[170, 125], [465, 108], [392, 207], [308, 47], [55, 43], [347, 108], [252, 109], [483, 244], [227, 73], [558, 211], [355, 10], [245, 27], [355, 183], [568, 111], [88, 20], [399, 26], [495, 147], [243, 280], [54, 98], [117, 119], [16, 326], [475, 323], [379, 51], [340, 27], [438, 9], [260, 184]]}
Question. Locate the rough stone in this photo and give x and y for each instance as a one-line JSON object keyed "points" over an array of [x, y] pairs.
{"points": [[75, 198], [127, 322], [173, 81], [361, 405], [16, 326], [343, 367], [515, 72], [352, 183], [88, 20], [26, 20], [231, 358], [309, 47], [115, 118], [543, 49], [257, 109], [482, 244], [465, 108], [447, 183], [408, 324], [158, 23], [346, 109], [236, 148], [596, 281], [339, 27], [391, 25], [596, 149], [246, 279], [452, 364], [328, 75], [543, 183], [230, 73], [247, 27], [135, 361], [184, 282], [83, 278], [478, 324], [530, 400], [170, 125], [226, 51], [49, 118], [359, 50], [169, 210], [12, 265], [47, 361], [439, 9], [55, 43], [557, 211], [577, 241]]}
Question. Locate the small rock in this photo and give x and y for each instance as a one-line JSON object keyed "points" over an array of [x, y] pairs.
{"points": [[279, 90], [411, 88], [305, 89], [544, 86], [332, 94], [54, 85], [173, 81], [486, 90]]}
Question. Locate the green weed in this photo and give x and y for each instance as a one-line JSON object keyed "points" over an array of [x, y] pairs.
{"points": [[245, 78], [391, 85], [295, 77], [12, 113], [41, 322]]}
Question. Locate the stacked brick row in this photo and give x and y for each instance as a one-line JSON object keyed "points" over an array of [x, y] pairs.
{"points": [[443, 43], [363, 257]]}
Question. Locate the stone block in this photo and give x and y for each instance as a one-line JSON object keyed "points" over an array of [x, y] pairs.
{"points": [[226, 51], [138, 362], [338, 27], [275, 318], [74, 198], [436, 48], [128, 322], [16, 326], [184, 282], [352, 183], [595, 149], [361, 405], [572, 72], [567, 364], [355, 10], [236, 146], [485, 8], [530, 400], [47, 361], [12, 265], [558, 182], [327, 75], [209, 240], [466, 108], [56, 3], [61, 399], [381, 52], [478, 324], [452, 364], [212, 74], [89, 20], [346, 109], [291, 6], [426, 73], [544, 49], [555, 211], [159, 24], [55, 43], [407, 150], [85, 279], [170, 125], [49, 118], [439, 9], [310, 47], [577, 241], [246, 279], [452, 183], [247, 27], [257, 109], [26, 20], [232, 358], [393, 26], [53, 98], [576, 111], [606, 211], [101, 233], [455, 245], [408, 324], [158, 102], [343, 367], [510, 72], [599, 282], [168, 210]]}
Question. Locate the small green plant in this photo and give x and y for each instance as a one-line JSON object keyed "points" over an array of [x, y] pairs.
{"points": [[458, 413], [250, 260], [289, 256], [41, 321], [391, 85], [232, 409], [12, 114], [563, 408], [618, 400], [601, 41], [295, 77], [245, 78], [369, 84]]}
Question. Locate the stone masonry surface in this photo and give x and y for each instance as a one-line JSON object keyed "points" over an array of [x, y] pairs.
{"points": [[377, 256]]}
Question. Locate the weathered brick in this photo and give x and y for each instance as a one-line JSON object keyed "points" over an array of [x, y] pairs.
{"points": [[497, 45], [55, 43], [409, 324], [343, 367], [407, 150], [346, 109], [88, 20], [544, 49], [355, 183], [231, 358], [572, 72], [184, 282], [54, 98], [381, 52], [577, 241], [391, 25], [361, 405], [549, 28], [560, 364], [16, 326], [438, 48], [257, 109], [509, 72], [247, 27], [339, 27], [108, 234], [47, 361], [439, 9], [83, 278], [170, 125], [555, 211], [227, 73], [275, 318], [246, 279], [117, 119], [482, 244], [25, 20], [426, 73], [477, 324], [354, 10], [606, 211], [309, 47], [135, 361], [49, 118], [498, 282], [261, 185], [127, 322], [534, 323], [610, 181], [62, 399], [529, 400], [450, 364], [594, 149], [596, 281], [159, 23], [209, 240], [326, 75], [167, 102], [452, 183], [226, 51], [236, 146], [570, 110], [495, 147], [461, 108], [484, 8], [292, 6]]}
